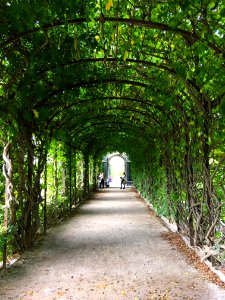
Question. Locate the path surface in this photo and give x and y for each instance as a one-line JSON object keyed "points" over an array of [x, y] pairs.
{"points": [[111, 249]]}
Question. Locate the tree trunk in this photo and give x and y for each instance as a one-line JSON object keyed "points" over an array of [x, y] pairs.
{"points": [[207, 183], [86, 176], [7, 171], [45, 192], [70, 177], [189, 187], [56, 183], [206, 170], [75, 178], [95, 181], [63, 179], [29, 200]]}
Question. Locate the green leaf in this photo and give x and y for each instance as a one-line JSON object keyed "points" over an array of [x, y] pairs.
{"points": [[125, 55], [109, 5], [1, 91]]}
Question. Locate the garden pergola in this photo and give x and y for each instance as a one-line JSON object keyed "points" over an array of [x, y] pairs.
{"points": [[84, 78]]}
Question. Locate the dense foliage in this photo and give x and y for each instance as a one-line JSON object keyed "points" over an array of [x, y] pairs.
{"points": [[79, 79]]}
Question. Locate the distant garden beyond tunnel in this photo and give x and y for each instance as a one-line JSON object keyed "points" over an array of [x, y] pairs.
{"points": [[82, 79]]}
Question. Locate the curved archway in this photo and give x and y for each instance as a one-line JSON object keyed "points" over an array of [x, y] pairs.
{"points": [[143, 78], [114, 164]]}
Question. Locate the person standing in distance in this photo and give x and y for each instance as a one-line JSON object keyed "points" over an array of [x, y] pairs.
{"points": [[123, 181]]}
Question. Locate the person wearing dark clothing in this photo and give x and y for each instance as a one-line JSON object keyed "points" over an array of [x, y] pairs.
{"points": [[123, 181], [101, 181]]}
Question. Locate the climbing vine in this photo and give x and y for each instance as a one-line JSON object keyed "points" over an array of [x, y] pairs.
{"points": [[82, 78]]}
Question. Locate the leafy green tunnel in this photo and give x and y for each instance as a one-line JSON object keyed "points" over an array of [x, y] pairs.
{"points": [[79, 79]]}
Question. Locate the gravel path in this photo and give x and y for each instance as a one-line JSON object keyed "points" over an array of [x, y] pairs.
{"points": [[110, 249]]}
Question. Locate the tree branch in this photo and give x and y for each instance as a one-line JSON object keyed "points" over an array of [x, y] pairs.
{"points": [[190, 37]]}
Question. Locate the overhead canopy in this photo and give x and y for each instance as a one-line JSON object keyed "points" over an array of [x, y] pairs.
{"points": [[80, 79], [108, 73]]}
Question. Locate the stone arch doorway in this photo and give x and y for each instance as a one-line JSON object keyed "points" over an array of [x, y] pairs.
{"points": [[114, 164]]}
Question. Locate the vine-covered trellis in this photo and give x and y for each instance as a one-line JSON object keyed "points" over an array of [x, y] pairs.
{"points": [[80, 79]]}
